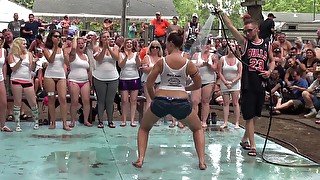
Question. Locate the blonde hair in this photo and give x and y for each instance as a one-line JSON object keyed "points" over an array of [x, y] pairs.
{"points": [[16, 46], [155, 42]]}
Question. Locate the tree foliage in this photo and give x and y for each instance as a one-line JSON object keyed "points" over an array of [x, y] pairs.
{"points": [[26, 3], [299, 6]]}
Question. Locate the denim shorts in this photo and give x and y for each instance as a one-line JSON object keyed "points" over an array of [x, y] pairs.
{"points": [[316, 102], [178, 108]]}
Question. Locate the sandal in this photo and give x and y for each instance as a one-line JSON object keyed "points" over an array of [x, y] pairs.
{"points": [[87, 124], [203, 166], [133, 124], [25, 117], [111, 125], [245, 145], [72, 124], [317, 122], [252, 152], [224, 127], [10, 117], [6, 129], [137, 164], [172, 125], [123, 124], [100, 124]]}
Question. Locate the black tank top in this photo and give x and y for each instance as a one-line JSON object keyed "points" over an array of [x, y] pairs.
{"points": [[256, 56]]}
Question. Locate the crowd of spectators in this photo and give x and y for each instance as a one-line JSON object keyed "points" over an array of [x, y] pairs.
{"points": [[112, 65]]}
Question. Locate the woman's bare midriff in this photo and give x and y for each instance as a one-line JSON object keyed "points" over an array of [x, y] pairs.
{"points": [[172, 93]]}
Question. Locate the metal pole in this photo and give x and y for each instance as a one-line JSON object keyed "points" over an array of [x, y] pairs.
{"points": [[314, 10], [123, 18]]}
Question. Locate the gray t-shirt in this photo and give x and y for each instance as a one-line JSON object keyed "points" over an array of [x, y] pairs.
{"points": [[15, 27]]}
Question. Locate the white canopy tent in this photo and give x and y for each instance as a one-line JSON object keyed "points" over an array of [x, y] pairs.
{"points": [[7, 9]]}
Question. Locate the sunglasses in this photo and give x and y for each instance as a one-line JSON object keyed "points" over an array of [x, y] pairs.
{"points": [[245, 31], [57, 36], [154, 47]]}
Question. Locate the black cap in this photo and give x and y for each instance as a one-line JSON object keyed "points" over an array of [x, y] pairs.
{"points": [[271, 15]]}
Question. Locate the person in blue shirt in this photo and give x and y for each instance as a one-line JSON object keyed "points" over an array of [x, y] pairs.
{"points": [[296, 88]]}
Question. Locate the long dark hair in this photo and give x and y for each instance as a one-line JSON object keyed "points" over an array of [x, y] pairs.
{"points": [[49, 42]]}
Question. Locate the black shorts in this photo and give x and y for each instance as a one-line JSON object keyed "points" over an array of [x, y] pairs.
{"points": [[251, 104], [178, 108], [23, 85]]}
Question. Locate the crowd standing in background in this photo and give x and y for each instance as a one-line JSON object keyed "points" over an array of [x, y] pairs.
{"points": [[54, 60]]}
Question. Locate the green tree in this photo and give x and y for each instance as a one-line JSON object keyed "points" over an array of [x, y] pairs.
{"points": [[300, 6], [26, 3]]}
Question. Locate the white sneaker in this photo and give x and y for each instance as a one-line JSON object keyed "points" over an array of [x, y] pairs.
{"points": [[36, 126], [18, 129], [311, 114], [318, 115]]}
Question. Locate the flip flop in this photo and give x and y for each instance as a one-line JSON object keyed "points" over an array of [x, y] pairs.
{"points": [[123, 124], [10, 117], [111, 125], [317, 122], [203, 166], [245, 145], [252, 152], [172, 125], [72, 124], [100, 124], [6, 129], [25, 117], [133, 124]]}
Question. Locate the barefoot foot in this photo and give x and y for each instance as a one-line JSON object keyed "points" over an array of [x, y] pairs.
{"points": [[52, 125]]}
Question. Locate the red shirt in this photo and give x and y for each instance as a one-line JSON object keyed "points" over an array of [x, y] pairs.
{"points": [[160, 27], [143, 53]]}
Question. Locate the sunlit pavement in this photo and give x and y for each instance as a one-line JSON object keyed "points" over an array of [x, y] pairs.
{"points": [[89, 153]]}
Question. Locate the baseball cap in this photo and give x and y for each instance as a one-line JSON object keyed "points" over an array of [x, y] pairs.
{"points": [[271, 15], [158, 13], [195, 15], [92, 33]]}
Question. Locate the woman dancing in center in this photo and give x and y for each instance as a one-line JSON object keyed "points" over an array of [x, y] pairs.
{"points": [[172, 98]]}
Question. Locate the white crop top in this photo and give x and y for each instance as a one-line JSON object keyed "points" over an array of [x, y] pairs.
{"points": [[129, 71], [173, 79], [23, 72], [144, 75], [2, 61], [56, 69], [207, 75], [106, 70], [79, 70]]}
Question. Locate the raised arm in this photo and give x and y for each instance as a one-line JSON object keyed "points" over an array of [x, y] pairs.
{"points": [[122, 61], [50, 56], [237, 35]]}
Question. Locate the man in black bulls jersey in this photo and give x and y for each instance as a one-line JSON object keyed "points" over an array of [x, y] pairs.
{"points": [[257, 58]]}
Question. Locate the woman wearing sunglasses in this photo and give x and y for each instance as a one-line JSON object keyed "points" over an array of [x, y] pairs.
{"points": [[154, 53], [55, 78]]}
